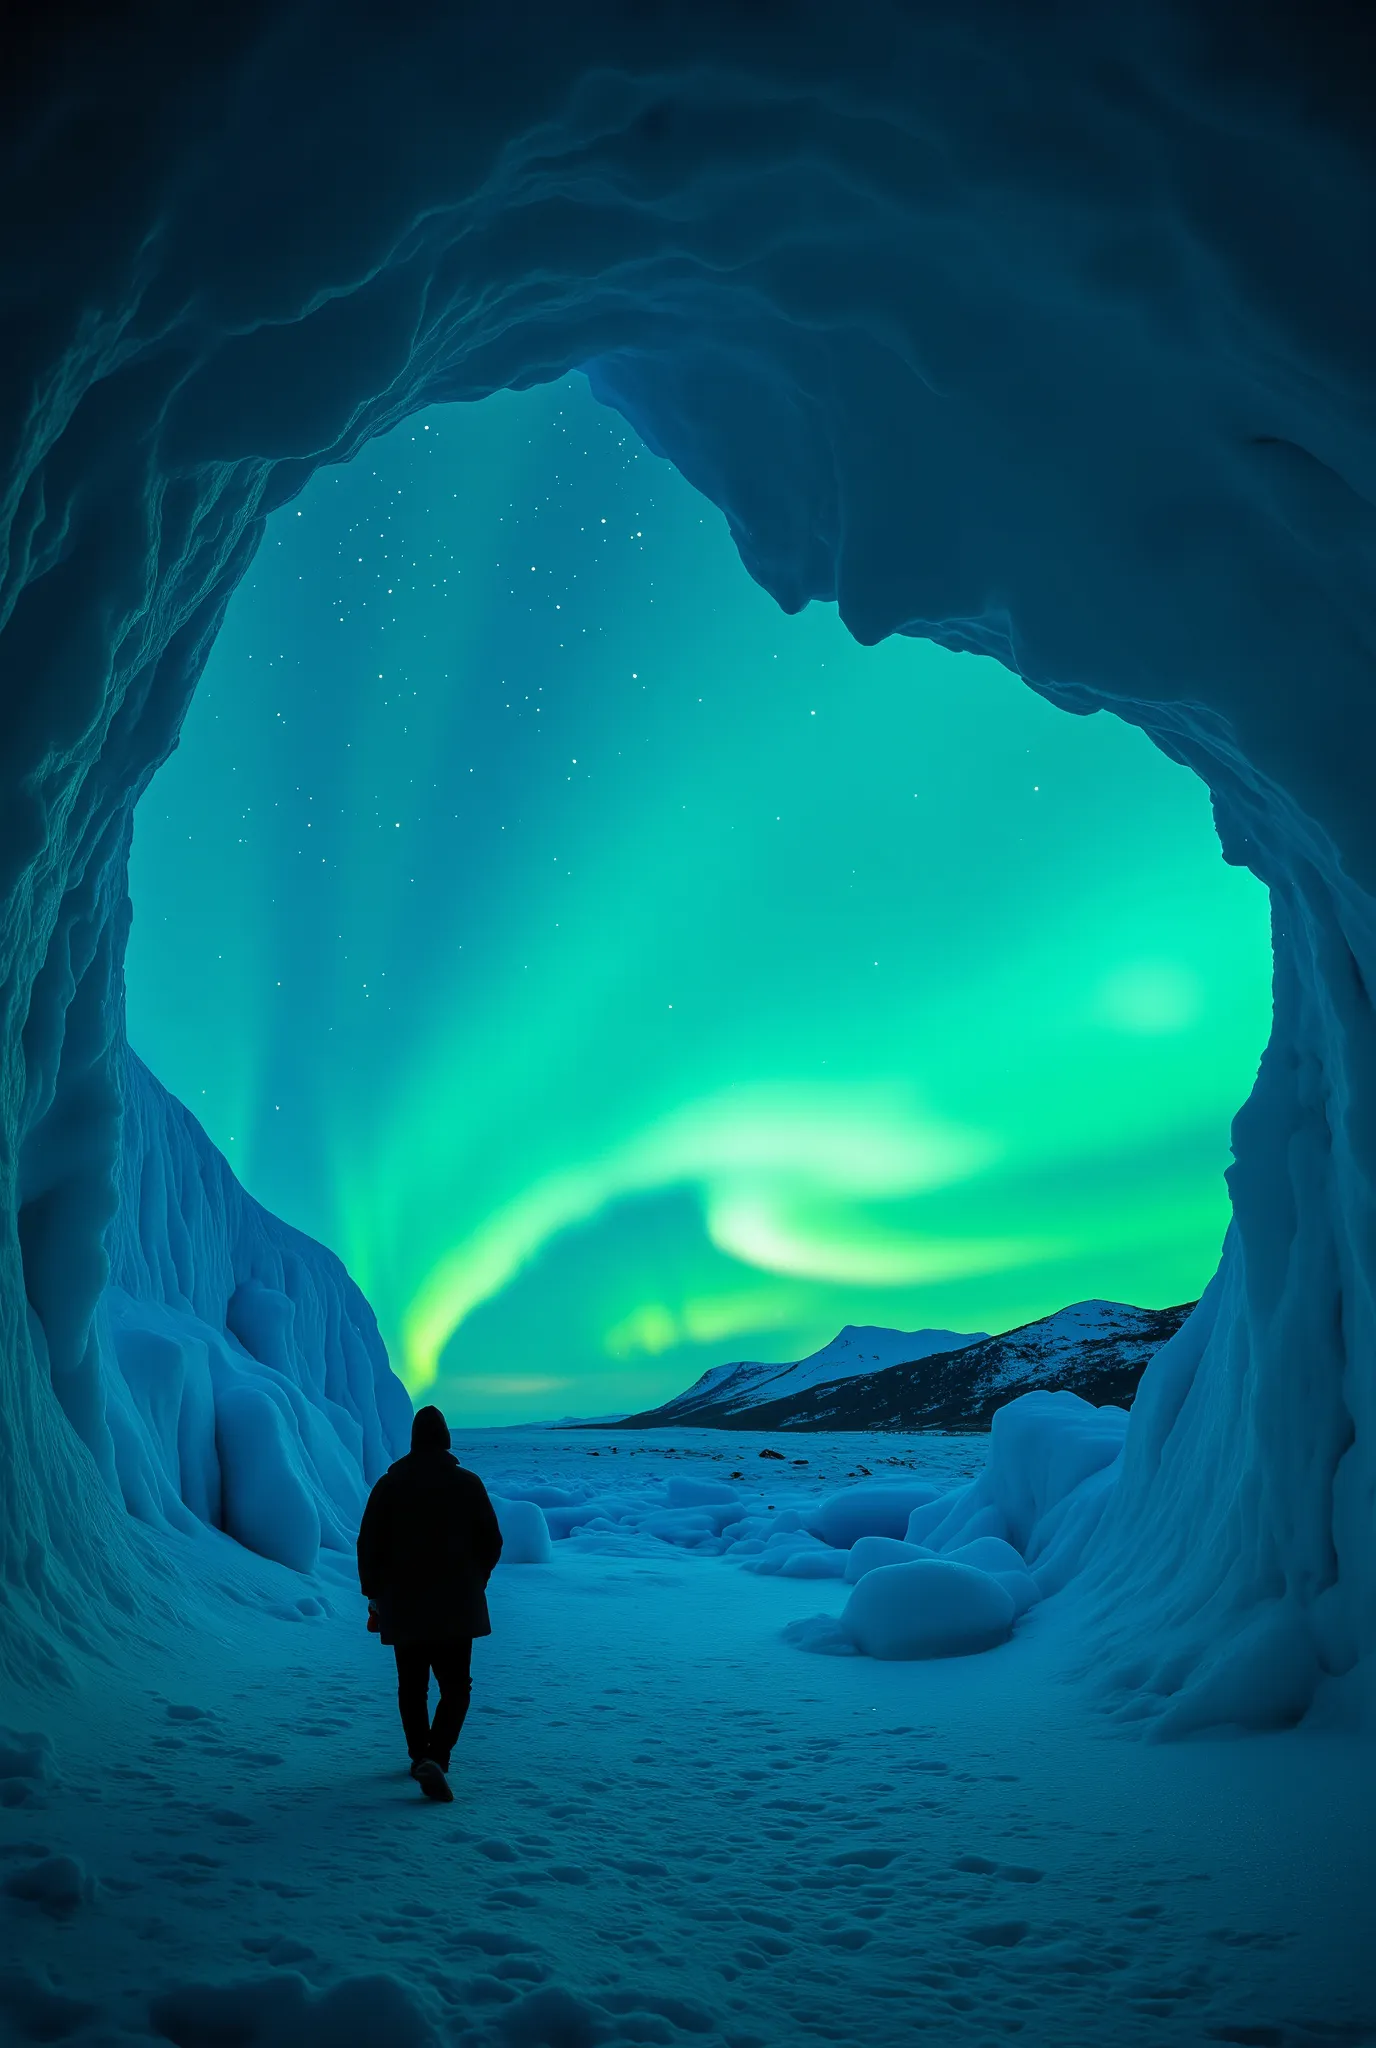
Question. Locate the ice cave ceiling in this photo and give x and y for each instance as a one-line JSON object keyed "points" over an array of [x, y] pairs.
{"points": [[1049, 335]]}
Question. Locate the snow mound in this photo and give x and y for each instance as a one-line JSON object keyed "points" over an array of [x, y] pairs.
{"points": [[972, 1560], [872, 1551], [813, 1564], [933, 1608], [882, 1509], [525, 1532]]}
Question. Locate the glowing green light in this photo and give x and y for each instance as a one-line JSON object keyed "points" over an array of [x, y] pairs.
{"points": [[624, 977]]}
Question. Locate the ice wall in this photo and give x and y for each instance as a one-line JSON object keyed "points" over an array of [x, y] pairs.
{"points": [[1045, 332], [217, 1369], [243, 1383]]}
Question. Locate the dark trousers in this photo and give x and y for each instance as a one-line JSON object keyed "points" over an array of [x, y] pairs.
{"points": [[450, 1662]]}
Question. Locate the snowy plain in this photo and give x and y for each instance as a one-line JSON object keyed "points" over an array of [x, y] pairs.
{"points": [[669, 1826]]}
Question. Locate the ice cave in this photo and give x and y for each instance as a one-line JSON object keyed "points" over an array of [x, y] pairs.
{"points": [[1039, 334]]}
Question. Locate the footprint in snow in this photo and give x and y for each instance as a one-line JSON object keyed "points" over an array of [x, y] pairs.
{"points": [[845, 1937], [998, 1933], [1234, 1937], [490, 1941], [1011, 1873], [520, 1970], [769, 1945], [487, 1990], [278, 1949]]}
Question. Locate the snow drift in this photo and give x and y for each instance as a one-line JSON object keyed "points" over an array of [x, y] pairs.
{"points": [[1039, 334]]}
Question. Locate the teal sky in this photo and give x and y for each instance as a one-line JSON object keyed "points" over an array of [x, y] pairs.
{"points": [[623, 977]]}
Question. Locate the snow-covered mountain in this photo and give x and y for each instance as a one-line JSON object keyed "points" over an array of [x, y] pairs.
{"points": [[1097, 1349], [729, 1390]]}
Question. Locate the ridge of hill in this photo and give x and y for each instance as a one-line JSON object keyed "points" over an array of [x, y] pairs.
{"points": [[1097, 1349], [862, 1348]]}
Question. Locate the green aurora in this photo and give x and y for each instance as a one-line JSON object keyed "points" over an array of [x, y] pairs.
{"points": [[623, 977]]}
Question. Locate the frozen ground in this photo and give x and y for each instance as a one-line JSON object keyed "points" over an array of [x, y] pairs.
{"points": [[669, 1826]]}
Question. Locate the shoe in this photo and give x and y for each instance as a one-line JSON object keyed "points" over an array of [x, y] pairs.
{"points": [[415, 1767], [432, 1780]]}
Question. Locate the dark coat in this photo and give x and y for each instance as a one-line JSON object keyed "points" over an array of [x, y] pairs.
{"points": [[426, 1548]]}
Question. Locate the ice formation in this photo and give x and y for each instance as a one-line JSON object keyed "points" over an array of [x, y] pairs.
{"points": [[935, 1573], [1038, 334], [238, 1378]]}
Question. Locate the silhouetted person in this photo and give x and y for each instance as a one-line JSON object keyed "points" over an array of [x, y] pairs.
{"points": [[426, 1548]]}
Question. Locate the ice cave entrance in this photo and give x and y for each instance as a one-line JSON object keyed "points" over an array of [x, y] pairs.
{"points": [[622, 976]]}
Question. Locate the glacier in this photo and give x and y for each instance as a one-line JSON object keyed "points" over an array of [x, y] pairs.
{"points": [[1043, 337]]}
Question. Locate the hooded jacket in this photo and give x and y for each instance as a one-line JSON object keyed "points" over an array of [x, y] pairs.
{"points": [[428, 1543]]}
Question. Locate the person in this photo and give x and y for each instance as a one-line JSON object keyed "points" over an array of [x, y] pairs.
{"points": [[427, 1545]]}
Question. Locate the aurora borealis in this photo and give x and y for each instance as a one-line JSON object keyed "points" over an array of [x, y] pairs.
{"points": [[623, 977]]}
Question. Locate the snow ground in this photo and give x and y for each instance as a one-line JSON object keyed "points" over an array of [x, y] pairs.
{"points": [[668, 1826]]}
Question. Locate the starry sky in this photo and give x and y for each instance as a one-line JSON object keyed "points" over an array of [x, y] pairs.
{"points": [[623, 977]]}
